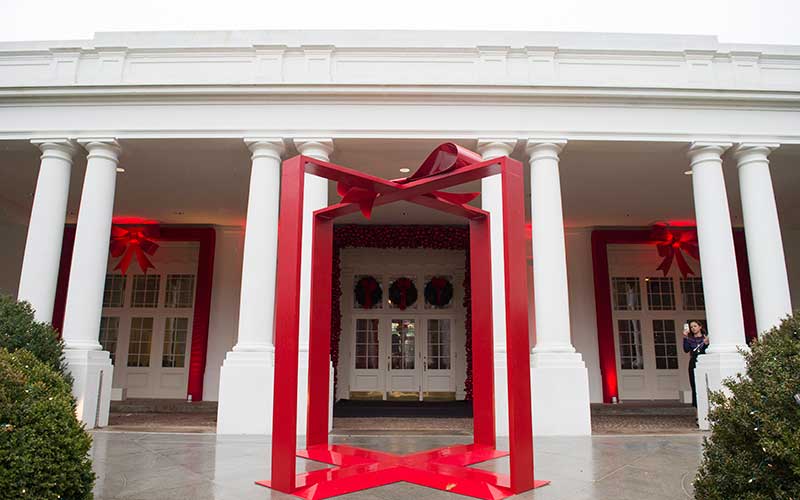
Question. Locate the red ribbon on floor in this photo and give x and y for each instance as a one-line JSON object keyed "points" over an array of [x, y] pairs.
{"points": [[134, 241], [445, 158], [671, 243]]}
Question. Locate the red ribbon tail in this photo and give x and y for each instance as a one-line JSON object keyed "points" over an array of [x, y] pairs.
{"points": [[666, 263], [682, 264], [457, 198], [144, 262], [126, 260]]}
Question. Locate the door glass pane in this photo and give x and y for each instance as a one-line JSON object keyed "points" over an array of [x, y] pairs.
{"points": [[145, 290], [180, 290], [175, 332], [692, 294], [664, 341], [438, 344], [660, 294], [630, 344], [403, 344], [366, 344], [141, 337], [114, 292], [626, 294], [109, 330]]}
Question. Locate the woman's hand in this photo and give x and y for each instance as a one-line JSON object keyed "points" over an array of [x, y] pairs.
{"points": [[705, 340]]}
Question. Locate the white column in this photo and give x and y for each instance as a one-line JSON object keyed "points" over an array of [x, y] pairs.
{"points": [[315, 196], [764, 243], [246, 391], [90, 366], [492, 202], [720, 277], [560, 380], [42, 258]]}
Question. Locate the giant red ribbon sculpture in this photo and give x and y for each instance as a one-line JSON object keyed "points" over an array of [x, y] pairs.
{"points": [[671, 243], [134, 241], [444, 468]]}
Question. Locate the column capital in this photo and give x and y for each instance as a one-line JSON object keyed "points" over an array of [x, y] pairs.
{"points": [[494, 148], [265, 147], [749, 152], [104, 147], [539, 149], [56, 148], [704, 151], [317, 148]]}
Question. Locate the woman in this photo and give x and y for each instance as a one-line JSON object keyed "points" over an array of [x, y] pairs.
{"points": [[695, 343]]}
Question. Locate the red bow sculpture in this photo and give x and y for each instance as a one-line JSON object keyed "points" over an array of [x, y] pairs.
{"points": [[671, 243], [444, 158], [134, 241]]}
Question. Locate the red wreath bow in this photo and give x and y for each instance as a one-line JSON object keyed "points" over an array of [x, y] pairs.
{"points": [[404, 284], [671, 243], [438, 284], [134, 241], [370, 286], [445, 158]]}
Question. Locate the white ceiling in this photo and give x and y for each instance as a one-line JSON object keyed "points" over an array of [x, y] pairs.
{"points": [[206, 181]]}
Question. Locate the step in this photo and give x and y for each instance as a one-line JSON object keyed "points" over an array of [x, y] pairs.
{"points": [[163, 406]]}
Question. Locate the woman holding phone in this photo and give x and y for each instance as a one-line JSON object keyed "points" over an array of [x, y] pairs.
{"points": [[695, 342]]}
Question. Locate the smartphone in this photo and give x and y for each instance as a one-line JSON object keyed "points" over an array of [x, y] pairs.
{"points": [[686, 328]]}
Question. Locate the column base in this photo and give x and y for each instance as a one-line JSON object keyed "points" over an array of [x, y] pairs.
{"points": [[711, 370], [92, 374], [246, 393], [560, 394]]}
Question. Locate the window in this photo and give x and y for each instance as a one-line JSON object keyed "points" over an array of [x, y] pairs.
{"points": [[114, 292], [403, 344], [627, 294], [438, 344], [180, 290], [630, 344], [692, 294], [660, 294], [139, 346], [664, 344], [366, 344], [145, 290], [109, 330], [175, 332]]}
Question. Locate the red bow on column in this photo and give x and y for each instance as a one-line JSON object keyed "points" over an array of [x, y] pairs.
{"points": [[444, 158], [671, 243], [134, 241]]}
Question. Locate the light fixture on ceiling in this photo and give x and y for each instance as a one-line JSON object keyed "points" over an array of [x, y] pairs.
{"points": [[405, 170], [178, 212], [688, 172], [120, 170]]}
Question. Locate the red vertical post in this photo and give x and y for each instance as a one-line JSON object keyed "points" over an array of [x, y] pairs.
{"points": [[319, 345], [520, 428], [482, 338], [287, 325]]}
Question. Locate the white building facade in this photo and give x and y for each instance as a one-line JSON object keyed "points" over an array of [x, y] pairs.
{"points": [[183, 134]]}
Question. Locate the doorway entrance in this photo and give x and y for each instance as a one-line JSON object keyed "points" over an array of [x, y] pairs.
{"points": [[403, 358]]}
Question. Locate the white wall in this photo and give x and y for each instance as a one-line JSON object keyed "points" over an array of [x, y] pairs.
{"points": [[12, 249], [582, 315], [224, 318]]}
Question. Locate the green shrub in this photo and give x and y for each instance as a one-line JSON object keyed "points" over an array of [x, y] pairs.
{"points": [[43, 448], [18, 330], [754, 448]]}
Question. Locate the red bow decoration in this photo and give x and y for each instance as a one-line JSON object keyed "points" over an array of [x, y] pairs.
{"points": [[370, 286], [134, 241], [671, 243], [444, 158], [438, 283], [403, 284]]}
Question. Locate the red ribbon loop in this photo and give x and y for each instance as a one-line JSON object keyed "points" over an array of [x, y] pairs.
{"points": [[134, 241], [438, 284], [369, 286]]}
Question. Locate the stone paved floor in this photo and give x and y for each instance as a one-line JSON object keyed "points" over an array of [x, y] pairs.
{"points": [[157, 466]]}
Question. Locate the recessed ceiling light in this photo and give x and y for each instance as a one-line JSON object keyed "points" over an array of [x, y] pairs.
{"points": [[688, 172], [178, 212], [405, 170], [120, 170]]}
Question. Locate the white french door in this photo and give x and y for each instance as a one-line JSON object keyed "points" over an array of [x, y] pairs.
{"points": [[403, 363], [438, 381]]}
